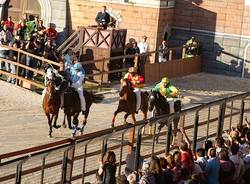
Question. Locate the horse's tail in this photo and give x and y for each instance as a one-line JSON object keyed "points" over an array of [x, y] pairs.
{"points": [[97, 98]]}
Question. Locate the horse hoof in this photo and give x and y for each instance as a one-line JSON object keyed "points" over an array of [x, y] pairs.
{"points": [[64, 126], [57, 126], [49, 136], [70, 127], [112, 125]]}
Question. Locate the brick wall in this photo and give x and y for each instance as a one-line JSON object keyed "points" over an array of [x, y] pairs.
{"points": [[138, 20], [222, 28]]}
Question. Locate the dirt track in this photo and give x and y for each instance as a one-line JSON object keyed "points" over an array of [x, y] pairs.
{"points": [[23, 123]]}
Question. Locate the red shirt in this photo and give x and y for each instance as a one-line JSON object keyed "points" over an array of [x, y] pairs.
{"points": [[10, 25], [51, 33], [187, 159]]}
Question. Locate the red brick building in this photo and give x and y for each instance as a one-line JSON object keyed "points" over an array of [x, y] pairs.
{"points": [[221, 26]]}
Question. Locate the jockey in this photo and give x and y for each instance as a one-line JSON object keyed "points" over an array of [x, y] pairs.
{"points": [[137, 83], [166, 89], [76, 78]]}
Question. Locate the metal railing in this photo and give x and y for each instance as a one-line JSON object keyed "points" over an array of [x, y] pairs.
{"points": [[71, 160]]}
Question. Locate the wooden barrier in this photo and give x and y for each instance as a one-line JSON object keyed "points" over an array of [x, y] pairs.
{"points": [[174, 68], [153, 72]]}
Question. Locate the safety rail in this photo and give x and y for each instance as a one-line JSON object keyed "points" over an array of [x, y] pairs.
{"points": [[76, 158], [102, 72]]}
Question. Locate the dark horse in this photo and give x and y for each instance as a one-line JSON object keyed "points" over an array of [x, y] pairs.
{"points": [[160, 106], [72, 106], [127, 102], [51, 105]]}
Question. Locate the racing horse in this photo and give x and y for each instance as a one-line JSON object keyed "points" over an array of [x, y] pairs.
{"points": [[127, 102], [51, 105], [72, 106], [159, 105]]}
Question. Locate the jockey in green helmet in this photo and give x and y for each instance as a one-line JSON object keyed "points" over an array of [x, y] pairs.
{"points": [[166, 89]]}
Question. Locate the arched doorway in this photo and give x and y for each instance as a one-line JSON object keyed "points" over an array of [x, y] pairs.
{"points": [[16, 8]]}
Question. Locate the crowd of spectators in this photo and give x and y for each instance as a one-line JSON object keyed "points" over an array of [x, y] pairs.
{"points": [[31, 36], [225, 160]]}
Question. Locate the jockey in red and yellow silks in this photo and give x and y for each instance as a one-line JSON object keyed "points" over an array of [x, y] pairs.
{"points": [[137, 83]]}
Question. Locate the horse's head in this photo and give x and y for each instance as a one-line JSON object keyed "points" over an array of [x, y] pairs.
{"points": [[51, 90], [126, 87], [151, 100]]}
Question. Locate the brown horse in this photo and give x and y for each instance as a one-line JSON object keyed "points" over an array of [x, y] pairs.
{"points": [[127, 102], [72, 106], [51, 105]]}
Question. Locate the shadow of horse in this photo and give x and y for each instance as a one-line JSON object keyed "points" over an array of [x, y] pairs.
{"points": [[159, 105]]}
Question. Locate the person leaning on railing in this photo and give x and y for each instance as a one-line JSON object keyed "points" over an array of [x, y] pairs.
{"points": [[192, 47], [163, 51], [107, 168]]}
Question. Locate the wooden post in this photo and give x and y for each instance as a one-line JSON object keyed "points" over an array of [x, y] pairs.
{"points": [[103, 63], [183, 52], [170, 54], [17, 68]]}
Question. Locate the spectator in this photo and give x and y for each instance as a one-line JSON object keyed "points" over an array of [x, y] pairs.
{"points": [[167, 177], [208, 144], [144, 48], [30, 47], [21, 29], [132, 178], [170, 162], [192, 47], [50, 52], [51, 33], [219, 144], [212, 168], [238, 163], [246, 160], [201, 160], [149, 172], [163, 51], [107, 168], [227, 169], [132, 50], [9, 24], [178, 166], [103, 18]]}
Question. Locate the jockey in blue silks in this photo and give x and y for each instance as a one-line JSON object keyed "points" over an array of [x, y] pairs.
{"points": [[77, 75]]}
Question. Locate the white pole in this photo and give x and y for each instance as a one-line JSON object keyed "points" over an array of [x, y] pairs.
{"points": [[244, 61]]}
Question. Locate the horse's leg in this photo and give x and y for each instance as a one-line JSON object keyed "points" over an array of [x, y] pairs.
{"points": [[131, 134], [55, 119], [64, 118], [159, 131], [50, 125], [75, 123], [69, 121], [113, 120], [125, 118], [84, 121]]}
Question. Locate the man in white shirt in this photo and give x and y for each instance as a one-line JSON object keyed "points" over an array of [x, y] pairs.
{"points": [[144, 48]]}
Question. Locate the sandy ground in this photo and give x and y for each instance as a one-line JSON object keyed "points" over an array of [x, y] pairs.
{"points": [[23, 123]]}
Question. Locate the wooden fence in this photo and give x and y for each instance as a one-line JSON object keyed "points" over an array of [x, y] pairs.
{"points": [[175, 67]]}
